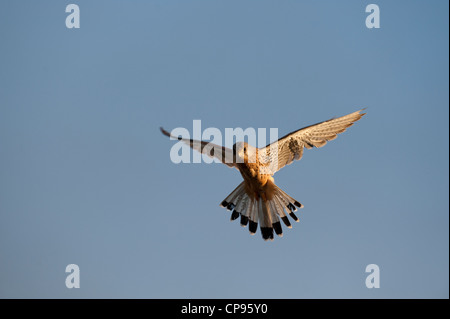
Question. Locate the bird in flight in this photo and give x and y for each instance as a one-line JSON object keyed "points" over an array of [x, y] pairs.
{"points": [[257, 200]]}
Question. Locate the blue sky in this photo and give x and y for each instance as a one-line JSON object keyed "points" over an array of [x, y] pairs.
{"points": [[86, 177]]}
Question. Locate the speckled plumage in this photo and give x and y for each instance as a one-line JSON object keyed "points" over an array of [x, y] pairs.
{"points": [[257, 199]]}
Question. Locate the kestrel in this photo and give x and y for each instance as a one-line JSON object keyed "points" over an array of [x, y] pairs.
{"points": [[257, 199]]}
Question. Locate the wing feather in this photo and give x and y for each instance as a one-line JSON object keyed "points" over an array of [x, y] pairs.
{"points": [[210, 149], [290, 147]]}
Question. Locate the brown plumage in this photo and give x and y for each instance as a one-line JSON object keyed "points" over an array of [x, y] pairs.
{"points": [[257, 199]]}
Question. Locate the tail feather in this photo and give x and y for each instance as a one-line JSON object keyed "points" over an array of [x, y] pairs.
{"points": [[278, 229], [275, 220], [273, 211], [244, 220], [266, 213], [252, 227], [280, 211], [243, 209], [265, 218], [253, 217], [289, 198], [234, 215], [241, 204], [230, 201]]}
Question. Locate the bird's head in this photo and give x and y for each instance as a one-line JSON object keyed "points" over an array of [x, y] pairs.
{"points": [[244, 152]]}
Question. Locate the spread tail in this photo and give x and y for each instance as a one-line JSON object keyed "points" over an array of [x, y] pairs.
{"points": [[266, 212]]}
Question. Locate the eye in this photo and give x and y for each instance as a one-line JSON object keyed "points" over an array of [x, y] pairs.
{"points": [[245, 150]]}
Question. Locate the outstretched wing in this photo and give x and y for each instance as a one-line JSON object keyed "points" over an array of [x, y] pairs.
{"points": [[223, 154], [290, 147]]}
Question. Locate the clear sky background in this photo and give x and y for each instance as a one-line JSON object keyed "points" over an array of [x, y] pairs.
{"points": [[86, 177]]}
